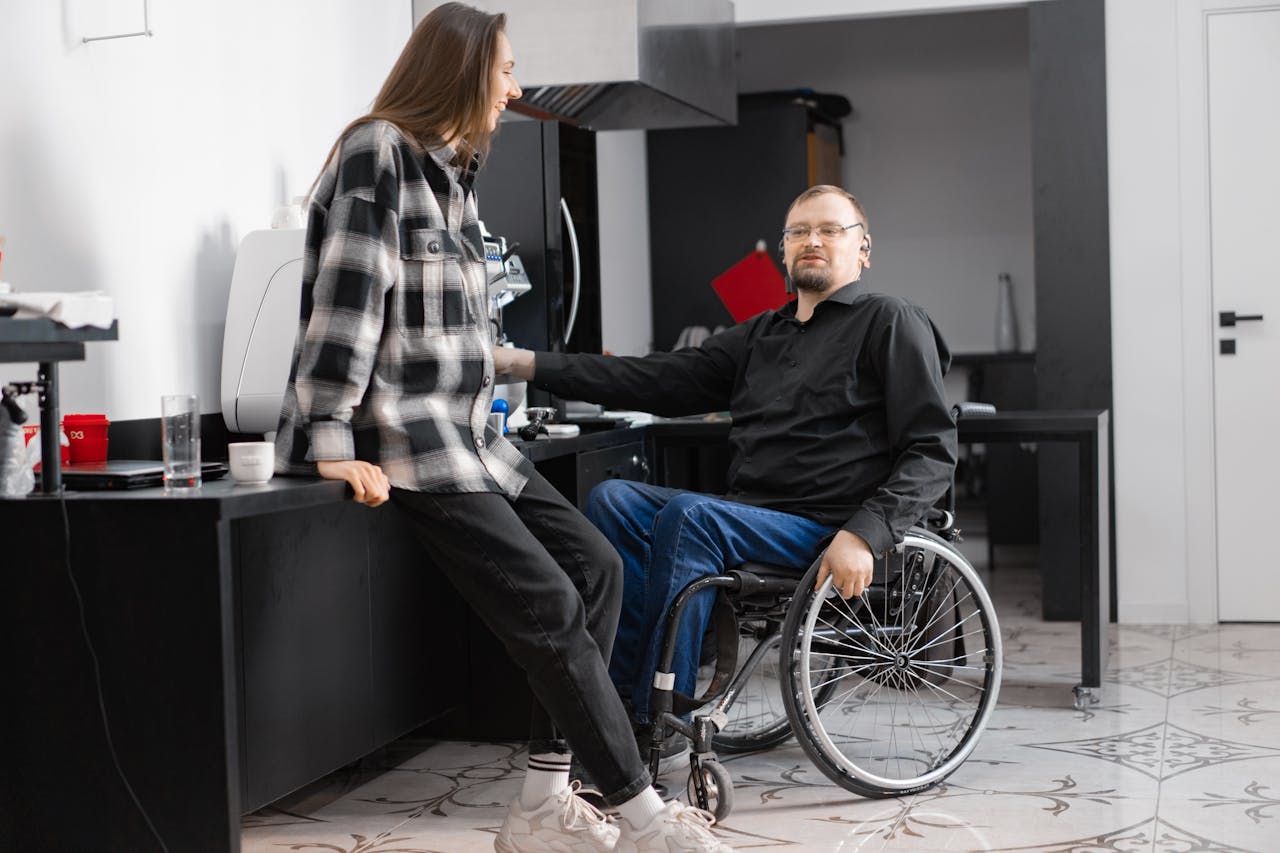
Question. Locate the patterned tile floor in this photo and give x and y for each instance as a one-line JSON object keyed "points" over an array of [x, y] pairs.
{"points": [[1181, 754]]}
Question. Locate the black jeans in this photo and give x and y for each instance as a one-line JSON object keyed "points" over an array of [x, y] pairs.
{"points": [[549, 586]]}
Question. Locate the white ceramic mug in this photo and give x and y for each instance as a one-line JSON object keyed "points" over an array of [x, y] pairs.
{"points": [[252, 461]]}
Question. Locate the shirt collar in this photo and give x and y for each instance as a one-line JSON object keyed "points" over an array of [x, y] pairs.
{"points": [[446, 157], [844, 295]]}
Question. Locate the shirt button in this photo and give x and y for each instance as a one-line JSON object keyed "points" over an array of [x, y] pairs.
{"points": [[793, 364], [486, 381], [747, 459], [433, 247], [479, 442]]}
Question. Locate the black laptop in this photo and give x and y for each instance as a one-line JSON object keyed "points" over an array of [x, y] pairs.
{"points": [[125, 474]]}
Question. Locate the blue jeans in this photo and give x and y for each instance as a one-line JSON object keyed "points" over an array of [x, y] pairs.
{"points": [[667, 538]]}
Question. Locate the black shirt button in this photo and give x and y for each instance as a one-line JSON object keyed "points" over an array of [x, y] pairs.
{"points": [[793, 364], [433, 247], [485, 382], [747, 459]]}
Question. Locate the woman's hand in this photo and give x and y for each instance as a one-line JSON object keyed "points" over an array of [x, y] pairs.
{"points": [[365, 478]]}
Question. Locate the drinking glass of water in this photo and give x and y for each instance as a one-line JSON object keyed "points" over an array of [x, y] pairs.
{"points": [[180, 438]]}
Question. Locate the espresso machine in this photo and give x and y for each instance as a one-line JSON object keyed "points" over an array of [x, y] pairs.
{"points": [[507, 281]]}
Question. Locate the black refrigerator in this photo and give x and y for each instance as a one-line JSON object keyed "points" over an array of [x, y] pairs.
{"points": [[538, 188]]}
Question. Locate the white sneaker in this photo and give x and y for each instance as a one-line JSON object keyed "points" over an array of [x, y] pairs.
{"points": [[564, 823], [679, 828]]}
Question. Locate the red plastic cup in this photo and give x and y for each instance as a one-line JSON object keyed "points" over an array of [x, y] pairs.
{"points": [[88, 437]]}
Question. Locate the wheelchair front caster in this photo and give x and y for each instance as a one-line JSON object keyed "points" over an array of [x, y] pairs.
{"points": [[710, 787]]}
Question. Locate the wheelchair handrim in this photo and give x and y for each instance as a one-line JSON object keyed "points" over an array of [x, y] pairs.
{"points": [[991, 680]]}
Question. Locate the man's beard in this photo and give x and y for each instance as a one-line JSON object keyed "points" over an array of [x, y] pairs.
{"points": [[811, 278]]}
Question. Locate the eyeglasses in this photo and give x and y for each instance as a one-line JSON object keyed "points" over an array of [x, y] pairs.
{"points": [[827, 231]]}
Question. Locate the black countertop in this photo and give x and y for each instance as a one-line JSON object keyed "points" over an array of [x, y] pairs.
{"points": [[228, 499]]}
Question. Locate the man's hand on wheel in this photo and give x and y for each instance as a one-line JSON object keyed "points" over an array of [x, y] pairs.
{"points": [[849, 562], [365, 478]]}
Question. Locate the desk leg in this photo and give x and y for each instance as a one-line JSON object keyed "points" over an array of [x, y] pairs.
{"points": [[50, 434], [1095, 572]]}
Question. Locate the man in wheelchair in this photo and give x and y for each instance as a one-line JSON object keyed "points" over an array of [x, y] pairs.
{"points": [[840, 432]]}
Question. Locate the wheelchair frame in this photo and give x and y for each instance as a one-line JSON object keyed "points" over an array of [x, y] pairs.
{"points": [[709, 785]]}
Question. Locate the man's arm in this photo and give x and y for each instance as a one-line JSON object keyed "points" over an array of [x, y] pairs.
{"points": [[684, 382], [520, 363], [910, 357]]}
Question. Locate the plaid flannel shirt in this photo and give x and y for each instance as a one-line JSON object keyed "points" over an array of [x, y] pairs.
{"points": [[393, 361]]}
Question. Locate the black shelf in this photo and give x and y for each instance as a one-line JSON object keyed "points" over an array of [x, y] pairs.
{"points": [[47, 342], [41, 339]]}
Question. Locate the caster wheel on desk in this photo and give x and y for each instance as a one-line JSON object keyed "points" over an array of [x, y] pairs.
{"points": [[1086, 696]]}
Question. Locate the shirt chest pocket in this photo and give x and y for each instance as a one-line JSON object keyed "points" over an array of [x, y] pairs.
{"points": [[433, 288]]}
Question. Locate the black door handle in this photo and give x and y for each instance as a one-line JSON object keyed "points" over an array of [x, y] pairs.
{"points": [[1230, 318]]}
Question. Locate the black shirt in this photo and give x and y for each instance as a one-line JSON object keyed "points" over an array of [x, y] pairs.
{"points": [[841, 419]]}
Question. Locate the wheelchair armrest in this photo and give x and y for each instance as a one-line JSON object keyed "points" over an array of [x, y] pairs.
{"points": [[763, 578], [970, 409]]}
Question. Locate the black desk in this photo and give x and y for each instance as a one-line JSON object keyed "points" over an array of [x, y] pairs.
{"points": [[1089, 431]]}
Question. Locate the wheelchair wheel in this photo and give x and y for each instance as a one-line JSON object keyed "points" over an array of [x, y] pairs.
{"points": [[719, 788], [757, 719], [914, 665]]}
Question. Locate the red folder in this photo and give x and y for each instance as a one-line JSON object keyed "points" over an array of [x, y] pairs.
{"points": [[752, 285]]}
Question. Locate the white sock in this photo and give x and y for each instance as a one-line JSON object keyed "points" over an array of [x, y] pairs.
{"points": [[642, 808], [548, 775]]}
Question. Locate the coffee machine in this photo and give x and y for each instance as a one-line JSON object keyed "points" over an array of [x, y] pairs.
{"points": [[507, 281]]}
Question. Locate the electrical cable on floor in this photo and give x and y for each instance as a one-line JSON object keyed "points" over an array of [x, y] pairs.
{"points": [[97, 673]]}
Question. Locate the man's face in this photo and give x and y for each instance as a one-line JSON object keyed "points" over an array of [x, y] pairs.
{"points": [[502, 86], [821, 264]]}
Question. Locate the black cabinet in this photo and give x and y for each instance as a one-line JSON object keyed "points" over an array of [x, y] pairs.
{"points": [[247, 639], [713, 192]]}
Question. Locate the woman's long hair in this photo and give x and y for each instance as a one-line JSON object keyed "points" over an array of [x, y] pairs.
{"points": [[439, 88]]}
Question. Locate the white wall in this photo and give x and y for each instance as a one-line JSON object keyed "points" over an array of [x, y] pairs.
{"points": [[135, 166], [938, 150], [1163, 504], [623, 188]]}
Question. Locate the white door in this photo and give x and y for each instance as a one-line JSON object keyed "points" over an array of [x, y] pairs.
{"points": [[1244, 178]]}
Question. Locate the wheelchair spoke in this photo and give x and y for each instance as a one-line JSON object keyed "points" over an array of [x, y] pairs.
{"points": [[878, 626], [948, 693], [944, 605], [950, 636], [854, 617], [849, 644], [845, 672]]}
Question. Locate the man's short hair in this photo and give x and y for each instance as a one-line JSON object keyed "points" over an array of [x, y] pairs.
{"points": [[823, 189]]}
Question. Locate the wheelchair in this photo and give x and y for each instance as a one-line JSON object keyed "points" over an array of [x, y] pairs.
{"points": [[887, 694]]}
